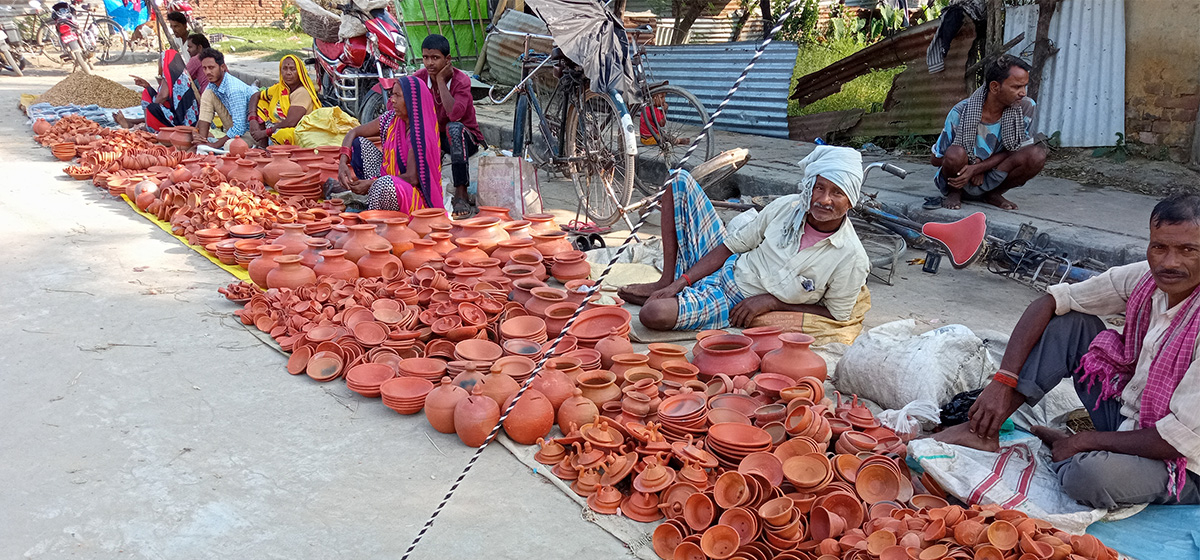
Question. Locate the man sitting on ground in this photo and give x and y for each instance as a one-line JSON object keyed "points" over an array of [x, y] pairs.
{"points": [[985, 149], [1140, 386], [227, 97], [455, 109], [799, 254]]}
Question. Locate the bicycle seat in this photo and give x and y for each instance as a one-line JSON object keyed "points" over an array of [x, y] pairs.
{"points": [[963, 239]]}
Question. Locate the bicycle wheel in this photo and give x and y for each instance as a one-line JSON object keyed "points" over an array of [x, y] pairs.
{"points": [[531, 133], [666, 135], [49, 44], [111, 44], [601, 168]]}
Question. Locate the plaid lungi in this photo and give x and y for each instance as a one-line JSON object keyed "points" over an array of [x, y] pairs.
{"points": [[698, 230]]}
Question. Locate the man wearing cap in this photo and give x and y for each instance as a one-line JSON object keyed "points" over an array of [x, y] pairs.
{"points": [[800, 254]]}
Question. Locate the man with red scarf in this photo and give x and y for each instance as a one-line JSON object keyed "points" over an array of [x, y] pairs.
{"points": [[1140, 386]]}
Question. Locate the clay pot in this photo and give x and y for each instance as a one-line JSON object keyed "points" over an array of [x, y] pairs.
{"points": [[280, 163], [474, 417], [531, 419], [41, 127], [228, 164], [542, 298], [180, 174], [599, 386], [293, 240], [264, 263], [795, 359], [612, 345], [333, 263], [498, 212], [144, 200], [570, 265], [541, 223], [441, 243], [622, 363], [467, 249], [499, 386], [488, 231], [421, 221], [181, 138], [557, 316], [247, 172], [237, 147], [312, 254], [421, 253], [290, 273], [728, 353], [765, 339], [361, 236], [505, 248], [552, 243], [578, 410], [663, 352], [555, 385], [164, 135], [379, 262], [396, 231], [440, 404]]}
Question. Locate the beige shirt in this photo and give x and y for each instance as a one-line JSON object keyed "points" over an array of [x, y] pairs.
{"points": [[837, 265], [1106, 294]]}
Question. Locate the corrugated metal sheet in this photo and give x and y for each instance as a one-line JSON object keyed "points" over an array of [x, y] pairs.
{"points": [[708, 30], [503, 50], [1083, 85], [708, 71]]}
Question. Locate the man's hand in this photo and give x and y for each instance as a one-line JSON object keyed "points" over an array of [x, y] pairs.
{"points": [[671, 290], [992, 408], [1071, 446], [746, 310], [361, 187], [140, 82], [260, 135], [446, 73], [964, 176], [346, 175]]}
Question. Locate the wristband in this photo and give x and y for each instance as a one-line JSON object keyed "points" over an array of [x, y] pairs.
{"points": [[346, 151], [1006, 377], [686, 279]]}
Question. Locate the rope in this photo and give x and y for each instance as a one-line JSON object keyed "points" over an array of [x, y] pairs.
{"points": [[607, 269]]}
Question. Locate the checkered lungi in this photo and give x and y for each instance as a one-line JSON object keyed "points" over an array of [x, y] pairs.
{"points": [[698, 230]]}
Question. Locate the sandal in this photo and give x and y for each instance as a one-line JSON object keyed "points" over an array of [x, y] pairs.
{"points": [[462, 208]]}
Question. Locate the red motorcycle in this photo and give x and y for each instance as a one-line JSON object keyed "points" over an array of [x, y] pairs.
{"points": [[349, 72]]}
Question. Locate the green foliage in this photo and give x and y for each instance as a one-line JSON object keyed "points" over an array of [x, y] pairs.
{"points": [[1118, 152], [1055, 140], [801, 27], [291, 17], [267, 42], [865, 92]]}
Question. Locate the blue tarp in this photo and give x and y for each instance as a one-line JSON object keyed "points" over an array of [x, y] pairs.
{"points": [[1157, 532], [128, 13]]}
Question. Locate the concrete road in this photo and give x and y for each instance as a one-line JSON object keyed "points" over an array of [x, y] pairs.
{"points": [[145, 422]]}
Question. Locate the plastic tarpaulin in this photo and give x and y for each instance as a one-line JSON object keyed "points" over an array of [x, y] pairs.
{"points": [[326, 126], [594, 38], [128, 13], [1156, 532]]}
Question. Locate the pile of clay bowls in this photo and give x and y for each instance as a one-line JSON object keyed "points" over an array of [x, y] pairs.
{"points": [[405, 395]]}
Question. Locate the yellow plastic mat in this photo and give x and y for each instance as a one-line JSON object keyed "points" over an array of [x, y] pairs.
{"points": [[237, 271]]}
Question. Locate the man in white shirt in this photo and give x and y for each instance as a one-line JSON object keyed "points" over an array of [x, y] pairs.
{"points": [[800, 253], [1140, 386]]}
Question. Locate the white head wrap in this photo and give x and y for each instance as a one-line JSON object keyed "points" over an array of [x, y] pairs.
{"points": [[842, 166]]}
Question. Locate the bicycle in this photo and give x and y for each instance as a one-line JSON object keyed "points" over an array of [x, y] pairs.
{"points": [[100, 36]]}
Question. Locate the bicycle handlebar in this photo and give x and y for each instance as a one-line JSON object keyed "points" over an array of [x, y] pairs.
{"points": [[895, 170], [640, 29], [520, 34]]}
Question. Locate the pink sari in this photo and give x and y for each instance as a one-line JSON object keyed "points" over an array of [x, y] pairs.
{"points": [[421, 136]]}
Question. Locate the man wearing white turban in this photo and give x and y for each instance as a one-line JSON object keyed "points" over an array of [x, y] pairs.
{"points": [[799, 254]]}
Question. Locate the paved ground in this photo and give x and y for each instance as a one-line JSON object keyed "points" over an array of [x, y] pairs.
{"points": [[146, 422]]}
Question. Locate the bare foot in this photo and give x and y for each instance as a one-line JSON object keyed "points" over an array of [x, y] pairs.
{"points": [[961, 435], [952, 200], [637, 294], [1049, 436], [121, 120], [998, 200]]}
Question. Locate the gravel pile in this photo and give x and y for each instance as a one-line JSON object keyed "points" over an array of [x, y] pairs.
{"points": [[82, 89]]}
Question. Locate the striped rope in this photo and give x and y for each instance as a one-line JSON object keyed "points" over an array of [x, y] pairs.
{"points": [[629, 240]]}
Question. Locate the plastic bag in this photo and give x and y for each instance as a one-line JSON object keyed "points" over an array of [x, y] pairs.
{"points": [[908, 421], [326, 126]]}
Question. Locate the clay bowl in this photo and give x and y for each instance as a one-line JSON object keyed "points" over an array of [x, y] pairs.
{"points": [[877, 483], [517, 367], [742, 520], [741, 403], [730, 490], [1002, 535], [929, 501], [720, 541], [599, 322], [807, 471], [324, 366], [666, 539], [366, 378], [795, 447], [739, 436], [765, 464], [845, 504], [770, 413], [773, 383], [527, 327], [405, 395], [699, 511], [845, 467], [824, 524], [478, 350], [430, 369], [777, 511], [723, 415]]}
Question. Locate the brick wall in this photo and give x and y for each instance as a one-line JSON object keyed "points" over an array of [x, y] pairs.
{"points": [[1162, 78], [239, 13]]}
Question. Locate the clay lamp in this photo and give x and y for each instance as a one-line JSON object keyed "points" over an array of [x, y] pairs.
{"points": [[587, 457], [605, 500], [617, 467], [641, 507], [655, 477], [1003, 535], [565, 469], [587, 482], [929, 501], [691, 472], [549, 452]]}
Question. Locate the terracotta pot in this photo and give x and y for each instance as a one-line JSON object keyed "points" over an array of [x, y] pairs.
{"points": [[531, 258], [264, 263], [380, 262], [557, 315], [306, 161], [662, 352], [333, 263], [293, 240], [421, 220], [728, 353], [474, 417], [280, 163], [228, 164], [421, 253], [570, 265], [541, 223], [519, 229], [505, 248], [361, 236], [396, 231], [543, 298], [237, 147], [577, 410], [246, 172], [552, 243], [442, 243], [488, 231], [498, 212], [765, 339], [555, 385], [599, 386], [531, 419], [41, 126], [144, 200], [180, 174], [610, 346], [290, 273], [311, 255], [181, 138], [337, 235], [467, 249], [440, 404], [622, 363], [795, 359], [164, 135]]}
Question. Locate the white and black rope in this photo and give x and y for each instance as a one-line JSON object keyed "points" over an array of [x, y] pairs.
{"points": [[792, 6]]}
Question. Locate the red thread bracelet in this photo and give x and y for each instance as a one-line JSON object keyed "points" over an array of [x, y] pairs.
{"points": [[686, 279], [1005, 378]]}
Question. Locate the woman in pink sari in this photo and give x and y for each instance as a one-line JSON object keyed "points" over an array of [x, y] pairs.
{"points": [[406, 174]]}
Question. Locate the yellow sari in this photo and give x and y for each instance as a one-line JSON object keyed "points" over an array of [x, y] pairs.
{"points": [[274, 102]]}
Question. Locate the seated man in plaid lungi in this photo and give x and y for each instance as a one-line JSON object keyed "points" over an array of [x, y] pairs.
{"points": [[799, 254]]}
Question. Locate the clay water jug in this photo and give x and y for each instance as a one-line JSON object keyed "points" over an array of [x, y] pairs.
{"points": [[498, 212], [488, 231], [293, 240], [290, 273], [474, 417], [765, 339], [333, 263], [541, 223], [570, 265], [577, 409], [612, 345], [466, 249], [396, 231], [260, 266], [311, 255], [726, 353], [280, 163], [421, 220], [531, 418], [356, 242], [380, 262], [504, 249], [519, 229], [599, 386], [421, 253], [440, 404], [795, 359], [41, 126], [442, 243], [552, 243]]}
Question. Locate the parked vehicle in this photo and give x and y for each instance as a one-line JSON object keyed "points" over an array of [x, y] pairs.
{"points": [[97, 38], [349, 72], [11, 58]]}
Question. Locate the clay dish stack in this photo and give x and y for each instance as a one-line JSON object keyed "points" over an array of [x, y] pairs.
{"points": [[405, 395], [366, 378], [683, 415], [732, 442]]}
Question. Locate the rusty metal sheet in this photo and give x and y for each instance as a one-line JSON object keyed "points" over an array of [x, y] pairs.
{"points": [[503, 50], [903, 48], [807, 128]]}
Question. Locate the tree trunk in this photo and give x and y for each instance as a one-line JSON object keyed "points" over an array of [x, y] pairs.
{"points": [[685, 12], [747, 13], [1042, 49], [764, 7]]}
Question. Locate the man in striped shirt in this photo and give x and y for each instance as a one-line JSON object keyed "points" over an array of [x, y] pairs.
{"points": [[232, 93]]}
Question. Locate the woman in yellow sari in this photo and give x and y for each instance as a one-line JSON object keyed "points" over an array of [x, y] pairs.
{"points": [[279, 108]]}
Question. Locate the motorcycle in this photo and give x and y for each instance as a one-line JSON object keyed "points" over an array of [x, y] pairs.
{"points": [[62, 17], [11, 58], [349, 72]]}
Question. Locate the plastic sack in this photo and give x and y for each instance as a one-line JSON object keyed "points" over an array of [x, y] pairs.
{"points": [[893, 365], [509, 182], [908, 421], [326, 126]]}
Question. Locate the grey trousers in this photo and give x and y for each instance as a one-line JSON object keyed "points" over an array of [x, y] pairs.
{"points": [[1098, 479]]}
